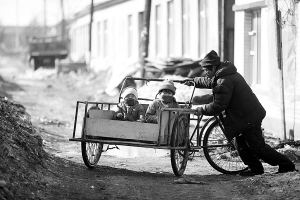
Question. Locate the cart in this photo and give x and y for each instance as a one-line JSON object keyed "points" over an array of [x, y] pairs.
{"points": [[173, 131]]}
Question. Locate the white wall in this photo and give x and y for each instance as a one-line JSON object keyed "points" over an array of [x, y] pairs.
{"points": [[76, 25], [117, 25]]}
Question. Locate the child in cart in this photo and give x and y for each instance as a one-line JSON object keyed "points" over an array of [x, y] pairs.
{"points": [[164, 99], [129, 109]]}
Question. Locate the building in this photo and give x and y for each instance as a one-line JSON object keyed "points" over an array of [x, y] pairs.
{"points": [[255, 56], [178, 28]]}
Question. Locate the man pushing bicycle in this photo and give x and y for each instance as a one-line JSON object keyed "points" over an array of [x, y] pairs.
{"points": [[244, 114]]}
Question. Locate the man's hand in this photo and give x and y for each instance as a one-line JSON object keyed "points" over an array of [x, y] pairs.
{"points": [[188, 82], [199, 110]]}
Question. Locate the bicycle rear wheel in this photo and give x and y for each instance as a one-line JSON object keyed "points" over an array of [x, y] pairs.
{"points": [[180, 138], [219, 152]]}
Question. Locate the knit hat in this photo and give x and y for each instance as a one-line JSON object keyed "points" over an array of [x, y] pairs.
{"points": [[129, 90], [211, 59], [167, 85]]}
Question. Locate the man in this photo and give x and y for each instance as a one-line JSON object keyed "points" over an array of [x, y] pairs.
{"points": [[243, 111]]}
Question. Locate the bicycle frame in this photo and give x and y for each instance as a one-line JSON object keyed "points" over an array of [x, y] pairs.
{"points": [[200, 131]]}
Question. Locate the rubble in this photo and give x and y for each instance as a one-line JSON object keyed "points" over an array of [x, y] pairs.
{"points": [[292, 152], [45, 121]]}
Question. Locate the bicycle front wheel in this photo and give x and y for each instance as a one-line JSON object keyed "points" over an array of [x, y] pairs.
{"points": [[179, 138], [219, 152], [91, 152]]}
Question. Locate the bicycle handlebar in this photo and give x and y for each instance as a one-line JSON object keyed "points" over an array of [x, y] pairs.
{"points": [[159, 79]]}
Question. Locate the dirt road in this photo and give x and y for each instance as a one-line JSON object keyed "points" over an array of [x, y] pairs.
{"points": [[128, 173]]}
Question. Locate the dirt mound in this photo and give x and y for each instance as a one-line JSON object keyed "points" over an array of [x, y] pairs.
{"points": [[21, 151]]}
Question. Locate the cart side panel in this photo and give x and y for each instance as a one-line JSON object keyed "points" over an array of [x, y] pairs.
{"points": [[122, 129], [103, 114]]}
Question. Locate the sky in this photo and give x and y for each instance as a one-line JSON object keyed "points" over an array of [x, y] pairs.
{"points": [[25, 12]]}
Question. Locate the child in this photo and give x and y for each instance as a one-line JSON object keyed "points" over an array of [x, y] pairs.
{"points": [[165, 99], [130, 109]]}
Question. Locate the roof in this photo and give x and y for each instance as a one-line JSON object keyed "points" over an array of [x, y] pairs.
{"points": [[97, 7]]}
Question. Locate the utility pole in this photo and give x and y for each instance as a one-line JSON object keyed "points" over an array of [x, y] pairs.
{"points": [[45, 18], [280, 63], [145, 36], [221, 7], [63, 25], [17, 26], [90, 31]]}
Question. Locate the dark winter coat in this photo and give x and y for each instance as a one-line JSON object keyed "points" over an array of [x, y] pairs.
{"points": [[232, 94], [130, 113], [154, 108]]}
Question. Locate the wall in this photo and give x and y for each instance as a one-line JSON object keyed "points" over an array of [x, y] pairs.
{"points": [[116, 17]]}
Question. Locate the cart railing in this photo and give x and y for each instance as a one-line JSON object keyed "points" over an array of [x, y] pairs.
{"points": [[100, 105], [157, 80]]}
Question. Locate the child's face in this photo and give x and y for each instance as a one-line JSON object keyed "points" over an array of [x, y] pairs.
{"points": [[130, 99], [166, 96]]}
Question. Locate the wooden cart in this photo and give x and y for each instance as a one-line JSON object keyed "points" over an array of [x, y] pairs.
{"points": [[172, 132]]}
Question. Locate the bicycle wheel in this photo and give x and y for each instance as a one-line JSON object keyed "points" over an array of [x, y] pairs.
{"points": [[221, 154], [180, 138], [91, 152]]}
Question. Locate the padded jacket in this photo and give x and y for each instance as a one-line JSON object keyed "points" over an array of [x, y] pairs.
{"points": [[232, 94], [131, 113], [155, 107]]}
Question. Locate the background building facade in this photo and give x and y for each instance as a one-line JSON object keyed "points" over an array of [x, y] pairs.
{"points": [[243, 31]]}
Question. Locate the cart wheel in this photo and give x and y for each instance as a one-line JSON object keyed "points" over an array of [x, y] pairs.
{"points": [[91, 152], [221, 154], [180, 138]]}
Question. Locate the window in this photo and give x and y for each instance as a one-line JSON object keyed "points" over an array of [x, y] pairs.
{"points": [[102, 39], [73, 41], [105, 39], [185, 28], [253, 73], [99, 38], [84, 37], [171, 28], [158, 31], [201, 28], [140, 29], [81, 44], [129, 35]]}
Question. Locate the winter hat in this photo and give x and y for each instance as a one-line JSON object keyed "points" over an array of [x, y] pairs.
{"points": [[129, 90], [211, 59], [167, 85]]}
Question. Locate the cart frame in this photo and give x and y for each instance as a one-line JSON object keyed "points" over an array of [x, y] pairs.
{"points": [[183, 150]]}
